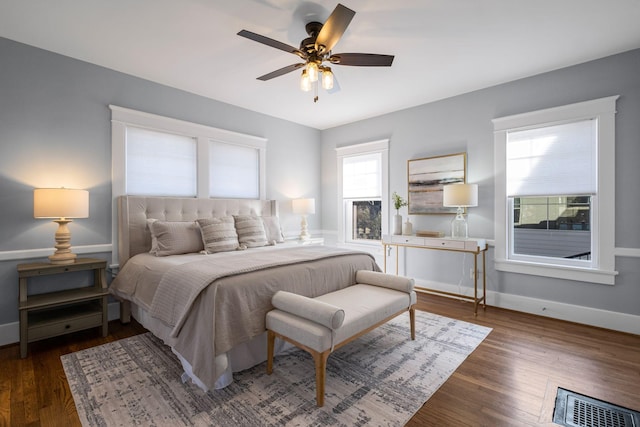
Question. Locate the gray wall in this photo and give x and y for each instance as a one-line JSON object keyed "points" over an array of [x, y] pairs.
{"points": [[463, 123], [55, 130]]}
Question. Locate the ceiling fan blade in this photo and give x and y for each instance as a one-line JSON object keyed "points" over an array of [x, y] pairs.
{"points": [[362, 59], [333, 29], [271, 42], [280, 72]]}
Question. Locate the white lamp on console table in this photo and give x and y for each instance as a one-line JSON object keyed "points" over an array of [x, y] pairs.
{"points": [[460, 196], [304, 207], [61, 203]]}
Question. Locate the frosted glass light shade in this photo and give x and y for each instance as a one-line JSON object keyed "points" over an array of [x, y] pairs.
{"points": [[305, 83], [60, 203], [312, 69], [327, 79]]}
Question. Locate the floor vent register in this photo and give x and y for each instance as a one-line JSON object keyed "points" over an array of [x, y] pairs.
{"points": [[576, 410]]}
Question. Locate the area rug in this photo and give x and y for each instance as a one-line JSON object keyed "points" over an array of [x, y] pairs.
{"points": [[381, 379]]}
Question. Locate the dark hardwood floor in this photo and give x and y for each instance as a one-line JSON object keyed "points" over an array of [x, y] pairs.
{"points": [[509, 380]]}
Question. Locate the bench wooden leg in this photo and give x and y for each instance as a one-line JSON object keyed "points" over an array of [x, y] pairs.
{"points": [[271, 338], [412, 319], [320, 360]]}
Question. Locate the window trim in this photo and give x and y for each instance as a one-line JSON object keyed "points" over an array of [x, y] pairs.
{"points": [[603, 266], [382, 147]]}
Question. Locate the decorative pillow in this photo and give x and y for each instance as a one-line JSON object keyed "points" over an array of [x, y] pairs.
{"points": [[218, 234], [250, 231], [272, 229], [174, 237]]}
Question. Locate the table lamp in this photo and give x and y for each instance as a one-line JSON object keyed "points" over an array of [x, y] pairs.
{"points": [[460, 196], [304, 207], [62, 203]]}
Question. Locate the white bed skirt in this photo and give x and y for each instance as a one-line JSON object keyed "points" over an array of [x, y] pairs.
{"points": [[243, 356]]}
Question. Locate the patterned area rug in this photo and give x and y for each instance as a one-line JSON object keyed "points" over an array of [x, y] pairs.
{"points": [[383, 378]]}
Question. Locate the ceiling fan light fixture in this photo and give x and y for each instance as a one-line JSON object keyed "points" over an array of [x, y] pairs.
{"points": [[312, 70], [327, 78], [318, 48], [305, 83]]}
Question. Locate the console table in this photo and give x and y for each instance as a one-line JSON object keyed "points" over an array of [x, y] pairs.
{"points": [[472, 246]]}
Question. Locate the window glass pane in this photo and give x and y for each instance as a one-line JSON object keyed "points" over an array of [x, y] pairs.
{"points": [[367, 220], [362, 176], [234, 171], [557, 227], [159, 163]]}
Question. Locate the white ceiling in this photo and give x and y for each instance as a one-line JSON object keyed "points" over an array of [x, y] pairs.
{"points": [[442, 48]]}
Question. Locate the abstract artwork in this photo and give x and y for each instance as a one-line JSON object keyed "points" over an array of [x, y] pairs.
{"points": [[427, 176]]}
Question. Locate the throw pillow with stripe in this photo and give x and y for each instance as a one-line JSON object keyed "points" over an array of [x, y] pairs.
{"points": [[218, 234], [250, 231]]}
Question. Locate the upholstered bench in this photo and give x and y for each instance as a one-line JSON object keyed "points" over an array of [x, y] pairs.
{"points": [[325, 323]]}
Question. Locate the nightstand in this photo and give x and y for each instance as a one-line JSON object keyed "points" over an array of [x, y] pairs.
{"points": [[51, 314]]}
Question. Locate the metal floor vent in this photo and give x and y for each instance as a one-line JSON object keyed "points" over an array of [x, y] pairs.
{"points": [[575, 410]]}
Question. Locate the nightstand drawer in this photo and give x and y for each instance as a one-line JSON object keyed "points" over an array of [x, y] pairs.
{"points": [[59, 321]]}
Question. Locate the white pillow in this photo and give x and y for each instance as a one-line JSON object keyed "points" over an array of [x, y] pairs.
{"points": [[218, 234], [174, 237], [250, 231], [272, 229]]}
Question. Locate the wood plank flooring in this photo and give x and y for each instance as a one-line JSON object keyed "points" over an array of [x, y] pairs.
{"points": [[509, 380]]}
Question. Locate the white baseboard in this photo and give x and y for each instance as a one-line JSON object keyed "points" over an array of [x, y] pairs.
{"points": [[573, 313], [10, 332]]}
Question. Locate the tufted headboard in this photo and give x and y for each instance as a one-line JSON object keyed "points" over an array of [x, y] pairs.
{"points": [[133, 212]]}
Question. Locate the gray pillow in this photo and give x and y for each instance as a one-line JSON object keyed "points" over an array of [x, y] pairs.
{"points": [[218, 234], [174, 237], [250, 231]]}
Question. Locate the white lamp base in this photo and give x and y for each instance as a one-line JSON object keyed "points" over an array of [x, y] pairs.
{"points": [[304, 233], [63, 254]]}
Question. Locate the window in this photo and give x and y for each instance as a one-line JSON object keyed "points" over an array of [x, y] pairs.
{"points": [[555, 192], [362, 178], [235, 171], [154, 155], [160, 163]]}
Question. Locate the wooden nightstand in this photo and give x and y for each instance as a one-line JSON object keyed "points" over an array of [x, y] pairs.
{"points": [[56, 313]]}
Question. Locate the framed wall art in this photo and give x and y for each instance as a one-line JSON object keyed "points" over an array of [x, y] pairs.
{"points": [[427, 176]]}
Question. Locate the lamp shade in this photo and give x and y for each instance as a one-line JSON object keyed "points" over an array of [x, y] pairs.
{"points": [[460, 195], [304, 206], [60, 203]]}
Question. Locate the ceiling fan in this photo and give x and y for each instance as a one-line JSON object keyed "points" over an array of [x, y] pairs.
{"points": [[316, 49]]}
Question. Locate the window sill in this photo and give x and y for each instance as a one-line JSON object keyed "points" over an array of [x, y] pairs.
{"points": [[590, 275]]}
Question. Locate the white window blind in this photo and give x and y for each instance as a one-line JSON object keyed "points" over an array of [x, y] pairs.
{"points": [[235, 171], [160, 163], [362, 176], [552, 160]]}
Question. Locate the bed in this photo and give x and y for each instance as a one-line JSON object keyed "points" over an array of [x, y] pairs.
{"points": [[184, 277]]}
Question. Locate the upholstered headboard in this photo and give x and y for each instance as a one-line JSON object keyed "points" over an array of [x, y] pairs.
{"points": [[133, 211]]}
